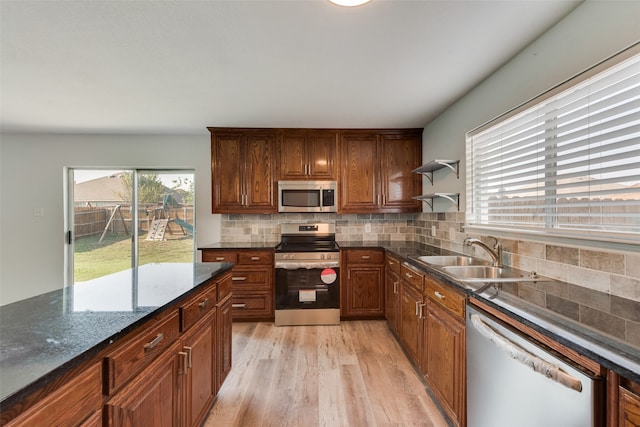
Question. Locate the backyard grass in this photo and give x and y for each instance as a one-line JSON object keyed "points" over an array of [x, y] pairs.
{"points": [[93, 259]]}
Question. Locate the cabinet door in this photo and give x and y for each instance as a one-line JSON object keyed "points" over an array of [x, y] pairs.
{"points": [[259, 174], [224, 339], [363, 293], [293, 156], [411, 323], [153, 398], [392, 299], [629, 408], [201, 381], [401, 154], [227, 164], [321, 149], [359, 179], [444, 364]]}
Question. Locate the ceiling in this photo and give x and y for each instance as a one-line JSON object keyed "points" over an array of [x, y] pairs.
{"points": [[176, 67]]}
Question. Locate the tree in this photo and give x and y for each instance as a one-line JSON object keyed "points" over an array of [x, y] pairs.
{"points": [[150, 188]]}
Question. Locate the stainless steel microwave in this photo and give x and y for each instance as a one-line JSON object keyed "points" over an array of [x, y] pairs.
{"points": [[307, 196]]}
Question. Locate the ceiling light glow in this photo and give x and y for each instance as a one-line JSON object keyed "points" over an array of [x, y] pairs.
{"points": [[349, 3]]}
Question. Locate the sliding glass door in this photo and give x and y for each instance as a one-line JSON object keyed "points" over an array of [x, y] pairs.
{"points": [[126, 231]]}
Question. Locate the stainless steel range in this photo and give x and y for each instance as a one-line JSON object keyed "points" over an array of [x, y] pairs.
{"points": [[307, 264]]}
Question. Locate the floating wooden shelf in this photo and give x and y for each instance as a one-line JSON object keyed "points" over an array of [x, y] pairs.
{"points": [[428, 198], [434, 165]]}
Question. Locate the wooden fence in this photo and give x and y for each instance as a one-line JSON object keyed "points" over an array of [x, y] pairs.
{"points": [[91, 221]]}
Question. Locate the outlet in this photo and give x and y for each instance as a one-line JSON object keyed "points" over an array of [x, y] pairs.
{"points": [[367, 228], [38, 211], [254, 228], [433, 230]]}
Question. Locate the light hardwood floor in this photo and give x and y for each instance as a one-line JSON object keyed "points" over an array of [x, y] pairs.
{"points": [[354, 374]]}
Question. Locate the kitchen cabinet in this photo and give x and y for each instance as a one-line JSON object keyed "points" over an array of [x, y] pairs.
{"points": [[243, 171], [392, 292], [200, 346], [411, 312], [308, 155], [224, 339], [444, 362], [362, 284], [623, 401], [376, 171], [153, 397], [629, 410], [78, 402], [252, 277]]}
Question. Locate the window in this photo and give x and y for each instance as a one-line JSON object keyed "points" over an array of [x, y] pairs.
{"points": [[127, 228], [566, 163]]}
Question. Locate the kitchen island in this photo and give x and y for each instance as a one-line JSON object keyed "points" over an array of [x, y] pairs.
{"points": [[47, 338]]}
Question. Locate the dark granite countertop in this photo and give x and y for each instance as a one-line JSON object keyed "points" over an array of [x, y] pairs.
{"points": [[597, 325], [43, 337], [241, 245]]}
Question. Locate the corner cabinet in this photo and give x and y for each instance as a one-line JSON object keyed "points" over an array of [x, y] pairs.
{"points": [[243, 170], [376, 170]]}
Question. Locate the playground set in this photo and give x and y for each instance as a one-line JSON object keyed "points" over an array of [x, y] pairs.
{"points": [[163, 217]]}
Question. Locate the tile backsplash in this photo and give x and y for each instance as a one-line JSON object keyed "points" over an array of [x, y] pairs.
{"points": [[616, 273]]}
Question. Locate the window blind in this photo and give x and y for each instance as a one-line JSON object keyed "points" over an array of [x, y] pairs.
{"points": [[566, 162]]}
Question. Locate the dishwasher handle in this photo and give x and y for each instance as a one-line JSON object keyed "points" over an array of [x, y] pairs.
{"points": [[539, 365]]}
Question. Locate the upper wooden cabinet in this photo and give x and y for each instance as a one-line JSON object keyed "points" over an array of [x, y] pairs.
{"points": [[242, 170], [308, 155], [376, 173]]}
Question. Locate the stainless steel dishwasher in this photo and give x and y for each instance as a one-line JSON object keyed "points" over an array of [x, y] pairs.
{"points": [[513, 382]]}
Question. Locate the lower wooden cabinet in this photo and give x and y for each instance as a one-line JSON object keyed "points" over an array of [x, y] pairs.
{"points": [[392, 292], [199, 347], [78, 402], [629, 408], [253, 277], [224, 353], [153, 398], [362, 284]]}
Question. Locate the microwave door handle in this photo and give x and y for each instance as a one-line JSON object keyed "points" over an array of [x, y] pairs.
{"points": [[516, 352]]}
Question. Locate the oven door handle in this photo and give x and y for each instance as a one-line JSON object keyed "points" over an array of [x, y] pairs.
{"points": [[292, 265]]}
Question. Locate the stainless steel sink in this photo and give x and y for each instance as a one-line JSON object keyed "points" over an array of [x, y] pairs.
{"points": [[452, 260], [486, 273]]}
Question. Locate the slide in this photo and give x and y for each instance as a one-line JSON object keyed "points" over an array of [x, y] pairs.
{"points": [[184, 225]]}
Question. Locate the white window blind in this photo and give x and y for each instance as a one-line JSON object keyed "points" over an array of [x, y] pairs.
{"points": [[568, 163]]}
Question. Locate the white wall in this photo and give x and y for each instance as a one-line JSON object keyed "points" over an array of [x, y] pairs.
{"points": [[32, 173], [592, 32]]}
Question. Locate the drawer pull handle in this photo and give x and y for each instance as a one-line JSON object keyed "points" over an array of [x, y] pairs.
{"points": [[255, 258], [417, 304], [238, 305], [421, 316], [154, 342], [239, 279], [439, 295], [183, 362], [219, 258], [189, 361], [366, 257], [204, 303], [409, 275]]}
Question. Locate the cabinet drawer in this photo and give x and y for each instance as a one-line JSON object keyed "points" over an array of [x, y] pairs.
{"points": [[252, 305], [224, 286], [411, 276], [124, 362], [255, 257], [68, 405], [444, 296], [251, 279], [392, 263], [197, 307], [219, 256], [356, 256]]}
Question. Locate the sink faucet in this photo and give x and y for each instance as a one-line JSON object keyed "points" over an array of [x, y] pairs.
{"points": [[495, 253]]}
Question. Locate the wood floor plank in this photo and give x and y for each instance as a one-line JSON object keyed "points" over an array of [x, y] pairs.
{"points": [[353, 374]]}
